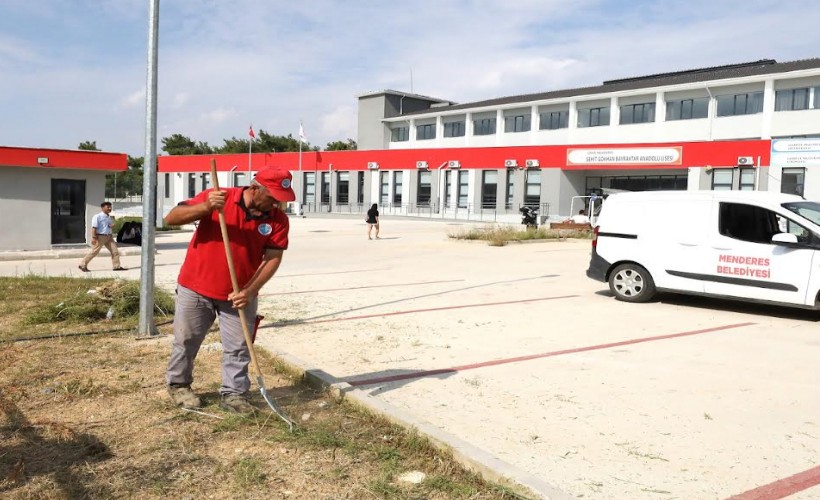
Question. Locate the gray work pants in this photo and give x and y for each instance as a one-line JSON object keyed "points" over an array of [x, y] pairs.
{"points": [[194, 315]]}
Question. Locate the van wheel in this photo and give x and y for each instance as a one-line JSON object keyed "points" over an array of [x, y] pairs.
{"points": [[632, 283]]}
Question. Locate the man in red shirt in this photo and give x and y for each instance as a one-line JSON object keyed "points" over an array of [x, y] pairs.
{"points": [[258, 233]]}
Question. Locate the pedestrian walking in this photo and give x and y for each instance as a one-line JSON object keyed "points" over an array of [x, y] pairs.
{"points": [[102, 226], [258, 231], [372, 221]]}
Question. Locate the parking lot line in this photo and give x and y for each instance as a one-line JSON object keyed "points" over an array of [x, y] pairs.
{"points": [[428, 373], [429, 309], [783, 487], [346, 288]]}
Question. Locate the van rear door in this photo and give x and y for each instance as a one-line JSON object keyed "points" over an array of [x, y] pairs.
{"points": [[746, 264]]}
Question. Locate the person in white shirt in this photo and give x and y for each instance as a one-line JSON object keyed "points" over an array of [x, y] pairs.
{"points": [[102, 226], [581, 218]]}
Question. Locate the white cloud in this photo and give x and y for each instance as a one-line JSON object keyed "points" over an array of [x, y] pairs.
{"points": [[70, 69]]}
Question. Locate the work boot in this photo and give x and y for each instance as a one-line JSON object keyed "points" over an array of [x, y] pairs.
{"points": [[184, 397], [236, 403]]}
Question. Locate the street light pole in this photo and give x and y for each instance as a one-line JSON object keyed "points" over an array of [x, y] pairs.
{"points": [[147, 326]]}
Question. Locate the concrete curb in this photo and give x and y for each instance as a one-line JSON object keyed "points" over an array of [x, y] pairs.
{"points": [[472, 458], [68, 253]]}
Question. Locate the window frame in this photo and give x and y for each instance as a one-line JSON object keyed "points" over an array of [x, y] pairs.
{"points": [[599, 113], [400, 134], [454, 129], [646, 114], [426, 132], [485, 126], [553, 120]]}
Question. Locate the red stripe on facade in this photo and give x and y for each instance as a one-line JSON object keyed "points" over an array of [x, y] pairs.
{"points": [[784, 487], [694, 154], [428, 373], [59, 158]]}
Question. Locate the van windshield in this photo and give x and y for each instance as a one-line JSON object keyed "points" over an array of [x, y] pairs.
{"points": [[808, 209]]}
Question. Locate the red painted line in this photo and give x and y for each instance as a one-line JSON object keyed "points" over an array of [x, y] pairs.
{"points": [[333, 272], [413, 311], [344, 289], [427, 373], [783, 487]]}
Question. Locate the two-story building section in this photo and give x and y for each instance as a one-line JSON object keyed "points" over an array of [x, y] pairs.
{"points": [[741, 126]]}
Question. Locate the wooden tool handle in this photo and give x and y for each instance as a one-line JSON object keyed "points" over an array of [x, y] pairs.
{"points": [[242, 317]]}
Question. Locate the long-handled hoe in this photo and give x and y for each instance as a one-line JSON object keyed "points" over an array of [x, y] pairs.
{"points": [[260, 380]]}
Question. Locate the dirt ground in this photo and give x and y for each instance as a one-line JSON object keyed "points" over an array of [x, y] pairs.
{"points": [[89, 417]]}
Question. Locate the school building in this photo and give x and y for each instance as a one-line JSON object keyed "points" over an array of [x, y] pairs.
{"points": [[741, 126]]}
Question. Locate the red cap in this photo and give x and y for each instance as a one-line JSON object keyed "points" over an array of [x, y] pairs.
{"points": [[278, 182]]}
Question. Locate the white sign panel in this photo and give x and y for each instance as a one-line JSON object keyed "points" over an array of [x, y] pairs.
{"points": [[625, 156], [796, 152]]}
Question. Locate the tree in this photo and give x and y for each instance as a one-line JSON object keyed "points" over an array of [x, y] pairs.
{"points": [[178, 144], [88, 146], [128, 183], [349, 145]]}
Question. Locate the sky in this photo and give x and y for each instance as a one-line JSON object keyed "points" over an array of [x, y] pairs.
{"points": [[76, 70]]}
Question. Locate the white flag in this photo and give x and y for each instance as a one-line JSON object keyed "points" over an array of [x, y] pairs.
{"points": [[302, 133]]}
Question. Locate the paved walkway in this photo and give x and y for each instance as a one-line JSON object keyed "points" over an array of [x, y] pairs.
{"points": [[531, 371]]}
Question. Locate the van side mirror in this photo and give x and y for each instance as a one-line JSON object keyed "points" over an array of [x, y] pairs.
{"points": [[784, 239]]}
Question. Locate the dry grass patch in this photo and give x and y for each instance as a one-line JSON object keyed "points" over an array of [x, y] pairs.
{"points": [[88, 417], [501, 234]]}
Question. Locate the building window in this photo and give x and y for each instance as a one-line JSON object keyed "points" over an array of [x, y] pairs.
{"points": [[489, 188], [554, 120], [325, 188], [722, 179], [792, 99], [191, 185], [167, 185], [400, 134], [510, 188], [205, 181], [343, 188], [448, 187], [484, 126], [816, 98], [747, 179], [310, 187], [384, 188], [637, 183], [454, 129], [463, 187], [518, 123], [360, 193], [740, 104], [426, 132], [397, 178], [638, 113], [792, 181], [687, 109], [240, 179], [423, 194], [532, 195], [593, 117]]}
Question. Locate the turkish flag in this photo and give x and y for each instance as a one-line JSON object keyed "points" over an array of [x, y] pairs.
{"points": [[250, 132]]}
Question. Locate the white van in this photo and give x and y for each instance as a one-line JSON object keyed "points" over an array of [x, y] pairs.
{"points": [[747, 245]]}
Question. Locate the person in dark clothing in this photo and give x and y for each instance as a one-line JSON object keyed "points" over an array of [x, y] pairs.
{"points": [[373, 221]]}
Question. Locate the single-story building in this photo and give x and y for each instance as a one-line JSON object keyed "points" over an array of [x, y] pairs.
{"points": [[48, 196]]}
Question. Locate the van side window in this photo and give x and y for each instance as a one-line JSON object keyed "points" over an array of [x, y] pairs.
{"points": [[747, 223], [756, 224]]}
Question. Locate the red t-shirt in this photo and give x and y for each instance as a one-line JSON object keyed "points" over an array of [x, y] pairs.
{"points": [[205, 269]]}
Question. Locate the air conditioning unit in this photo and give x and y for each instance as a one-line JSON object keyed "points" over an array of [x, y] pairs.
{"points": [[421, 164], [745, 161], [510, 163], [532, 163], [372, 165], [453, 164]]}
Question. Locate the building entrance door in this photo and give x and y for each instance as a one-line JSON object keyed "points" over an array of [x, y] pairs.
{"points": [[67, 211]]}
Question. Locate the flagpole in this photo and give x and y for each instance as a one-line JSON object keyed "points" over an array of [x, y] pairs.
{"points": [[299, 194], [250, 143]]}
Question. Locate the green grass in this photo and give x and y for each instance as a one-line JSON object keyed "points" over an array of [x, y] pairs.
{"points": [[85, 303]]}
